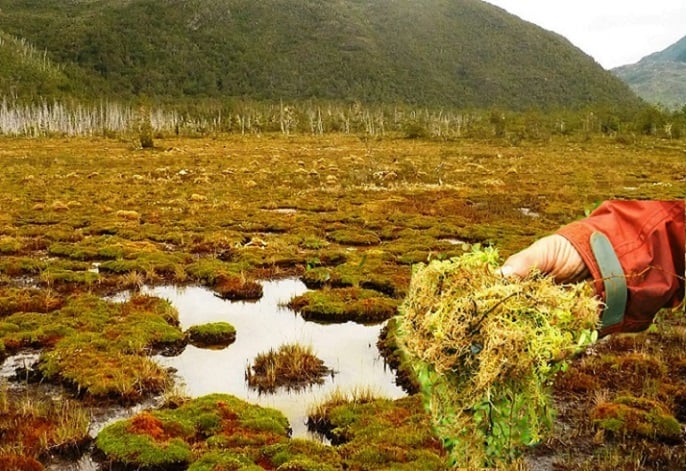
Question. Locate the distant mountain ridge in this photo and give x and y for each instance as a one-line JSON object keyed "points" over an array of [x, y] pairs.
{"points": [[458, 53], [659, 78]]}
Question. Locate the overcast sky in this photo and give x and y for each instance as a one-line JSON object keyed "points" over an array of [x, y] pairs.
{"points": [[613, 32]]}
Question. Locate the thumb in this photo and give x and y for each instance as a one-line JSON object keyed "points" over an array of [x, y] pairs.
{"points": [[520, 264]]}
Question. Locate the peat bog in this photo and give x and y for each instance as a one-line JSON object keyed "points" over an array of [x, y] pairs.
{"points": [[82, 219]]}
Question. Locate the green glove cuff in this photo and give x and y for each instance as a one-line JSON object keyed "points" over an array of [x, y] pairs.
{"points": [[614, 280]]}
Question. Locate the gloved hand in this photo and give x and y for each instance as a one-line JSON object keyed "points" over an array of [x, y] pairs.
{"points": [[553, 255]]}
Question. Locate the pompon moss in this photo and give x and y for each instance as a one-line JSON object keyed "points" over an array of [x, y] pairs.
{"points": [[485, 349], [193, 434]]}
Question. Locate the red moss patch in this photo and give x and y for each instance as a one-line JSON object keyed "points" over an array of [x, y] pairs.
{"points": [[14, 462]]}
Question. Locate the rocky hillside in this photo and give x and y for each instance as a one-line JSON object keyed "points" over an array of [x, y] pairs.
{"points": [[659, 78]]}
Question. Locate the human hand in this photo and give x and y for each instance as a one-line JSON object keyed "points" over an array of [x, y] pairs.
{"points": [[553, 255]]}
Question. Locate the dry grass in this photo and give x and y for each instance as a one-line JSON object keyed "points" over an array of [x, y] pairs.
{"points": [[292, 366]]}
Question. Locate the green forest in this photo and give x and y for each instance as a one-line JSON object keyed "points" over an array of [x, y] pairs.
{"points": [[437, 53], [426, 68]]}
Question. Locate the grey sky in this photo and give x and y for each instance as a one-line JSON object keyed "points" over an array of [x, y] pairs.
{"points": [[613, 32]]}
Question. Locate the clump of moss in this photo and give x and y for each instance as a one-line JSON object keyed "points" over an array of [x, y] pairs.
{"points": [[236, 287], [28, 300], [388, 347], [636, 371], [373, 270], [381, 433], [485, 349], [9, 245], [643, 417], [212, 430], [292, 366], [99, 348], [21, 266], [213, 335], [154, 265], [206, 270], [62, 279], [303, 455], [317, 277], [344, 304], [222, 460]]}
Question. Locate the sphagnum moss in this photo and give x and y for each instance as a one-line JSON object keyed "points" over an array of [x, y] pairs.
{"points": [[485, 350]]}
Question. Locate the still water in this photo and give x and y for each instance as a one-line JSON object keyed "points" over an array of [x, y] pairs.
{"points": [[349, 349]]}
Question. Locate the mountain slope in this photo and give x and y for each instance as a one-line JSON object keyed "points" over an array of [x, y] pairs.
{"points": [[464, 53], [24, 70], [660, 77]]}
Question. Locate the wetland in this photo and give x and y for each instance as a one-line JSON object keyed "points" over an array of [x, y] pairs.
{"points": [[110, 254]]}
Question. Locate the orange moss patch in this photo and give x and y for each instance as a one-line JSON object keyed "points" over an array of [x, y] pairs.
{"points": [[633, 370], [237, 288], [146, 424], [577, 381]]}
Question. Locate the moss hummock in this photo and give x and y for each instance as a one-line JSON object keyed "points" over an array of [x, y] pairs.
{"points": [[213, 335], [209, 431], [376, 433], [345, 304], [97, 348]]}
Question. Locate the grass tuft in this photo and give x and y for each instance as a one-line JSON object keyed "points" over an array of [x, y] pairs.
{"points": [[292, 366]]}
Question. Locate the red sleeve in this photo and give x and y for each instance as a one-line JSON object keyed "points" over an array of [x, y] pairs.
{"points": [[648, 239]]}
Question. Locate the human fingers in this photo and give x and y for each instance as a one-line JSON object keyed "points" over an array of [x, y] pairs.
{"points": [[553, 255]]}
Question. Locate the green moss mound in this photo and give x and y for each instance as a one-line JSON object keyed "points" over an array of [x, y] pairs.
{"points": [[381, 434], [99, 349], [638, 416], [212, 335], [485, 350], [344, 304], [218, 431]]}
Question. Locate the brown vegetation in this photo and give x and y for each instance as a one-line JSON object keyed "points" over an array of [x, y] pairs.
{"points": [[63, 244]]}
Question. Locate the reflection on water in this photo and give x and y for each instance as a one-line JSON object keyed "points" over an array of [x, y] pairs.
{"points": [[349, 349]]}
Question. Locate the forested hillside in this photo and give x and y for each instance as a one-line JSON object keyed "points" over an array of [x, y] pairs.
{"points": [[25, 68], [461, 53]]}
